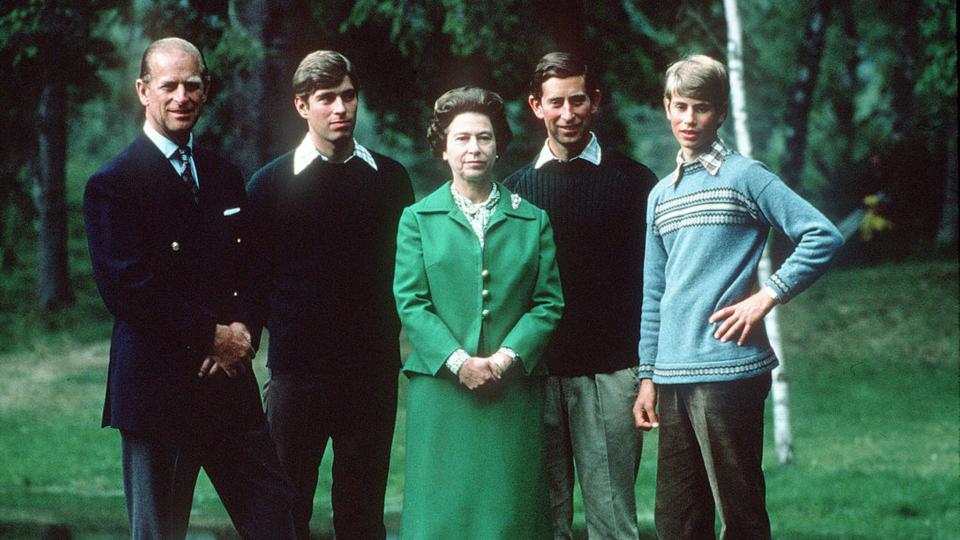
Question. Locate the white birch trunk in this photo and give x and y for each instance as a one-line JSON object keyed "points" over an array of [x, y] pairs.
{"points": [[782, 434]]}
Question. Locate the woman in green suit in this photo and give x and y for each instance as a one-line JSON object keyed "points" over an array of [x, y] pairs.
{"points": [[478, 293]]}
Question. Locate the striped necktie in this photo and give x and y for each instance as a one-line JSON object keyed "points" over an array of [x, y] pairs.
{"points": [[187, 174]]}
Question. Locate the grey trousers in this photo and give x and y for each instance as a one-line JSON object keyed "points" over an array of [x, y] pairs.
{"points": [[710, 457], [588, 421]]}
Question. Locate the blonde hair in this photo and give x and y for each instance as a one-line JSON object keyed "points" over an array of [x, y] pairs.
{"points": [[699, 77]]}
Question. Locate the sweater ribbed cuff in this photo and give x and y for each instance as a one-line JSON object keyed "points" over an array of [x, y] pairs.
{"points": [[645, 371]]}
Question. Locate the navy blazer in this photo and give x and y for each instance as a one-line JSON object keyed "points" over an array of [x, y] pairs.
{"points": [[169, 270]]}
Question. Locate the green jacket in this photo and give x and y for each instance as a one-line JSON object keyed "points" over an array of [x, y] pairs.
{"points": [[452, 294]]}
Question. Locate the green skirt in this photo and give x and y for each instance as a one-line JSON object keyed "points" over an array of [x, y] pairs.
{"points": [[474, 461]]}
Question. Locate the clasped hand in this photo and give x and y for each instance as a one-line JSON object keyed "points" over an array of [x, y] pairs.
{"points": [[478, 371], [231, 352]]}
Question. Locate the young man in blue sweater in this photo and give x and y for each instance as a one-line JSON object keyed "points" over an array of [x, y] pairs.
{"points": [[705, 360]]}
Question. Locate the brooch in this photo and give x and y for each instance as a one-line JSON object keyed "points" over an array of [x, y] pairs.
{"points": [[515, 201]]}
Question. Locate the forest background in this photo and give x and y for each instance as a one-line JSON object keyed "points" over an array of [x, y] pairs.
{"points": [[853, 103]]}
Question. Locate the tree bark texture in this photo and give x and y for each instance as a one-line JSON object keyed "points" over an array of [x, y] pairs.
{"points": [[247, 141], [49, 195], [783, 437], [288, 36], [800, 94], [904, 80]]}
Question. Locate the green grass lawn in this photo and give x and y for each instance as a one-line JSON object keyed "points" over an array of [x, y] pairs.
{"points": [[872, 357]]}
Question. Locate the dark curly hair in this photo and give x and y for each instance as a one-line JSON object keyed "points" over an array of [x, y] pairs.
{"points": [[462, 100]]}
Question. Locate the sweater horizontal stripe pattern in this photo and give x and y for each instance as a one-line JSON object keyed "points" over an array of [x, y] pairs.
{"points": [[705, 237], [750, 369], [708, 207]]}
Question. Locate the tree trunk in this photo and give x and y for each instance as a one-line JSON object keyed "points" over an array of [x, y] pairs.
{"points": [[247, 141], [49, 195], [843, 94], [906, 18], [947, 235], [783, 437], [800, 95], [566, 18], [288, 36], [738, 99]]}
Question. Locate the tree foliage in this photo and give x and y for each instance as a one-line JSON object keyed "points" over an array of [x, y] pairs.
{"points": [[50, 57], [884, 82]]}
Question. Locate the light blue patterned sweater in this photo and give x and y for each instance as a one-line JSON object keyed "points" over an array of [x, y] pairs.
{"points": [[705, 236]]}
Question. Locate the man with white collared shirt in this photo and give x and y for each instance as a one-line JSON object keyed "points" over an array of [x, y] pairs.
{"points": [[180, 156], [325, 218], [596, 200], [167, 259]]}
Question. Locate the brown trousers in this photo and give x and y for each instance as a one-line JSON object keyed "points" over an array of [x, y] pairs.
{"points": [[710, 457]]}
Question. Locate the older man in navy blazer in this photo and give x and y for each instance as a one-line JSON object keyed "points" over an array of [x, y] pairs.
{"points": [[165, 228]]}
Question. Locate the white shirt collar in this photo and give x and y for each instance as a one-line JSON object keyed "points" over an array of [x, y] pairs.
{"points": [[166, 146], [590, 153], [307, 152]]}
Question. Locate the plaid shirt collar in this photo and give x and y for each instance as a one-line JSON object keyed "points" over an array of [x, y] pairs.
{"points": [[307, 152], [590, 153], [710, 161]]}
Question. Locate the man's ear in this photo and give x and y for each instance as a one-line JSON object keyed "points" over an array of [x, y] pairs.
{"points": [[595, 101], [142, 92], [666, 106], [302, 106], [723, 116], [536, 106]]}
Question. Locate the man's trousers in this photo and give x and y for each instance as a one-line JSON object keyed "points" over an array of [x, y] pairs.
{"points": [[159, 476], [710, 457], [358, 415], [588, 420]]}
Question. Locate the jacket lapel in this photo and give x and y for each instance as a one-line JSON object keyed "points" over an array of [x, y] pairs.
{"points": [[158, 164], [505, 209], [441, 202]]}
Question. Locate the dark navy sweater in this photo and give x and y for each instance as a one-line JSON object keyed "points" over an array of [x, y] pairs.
{"points": [[597, 213], [322, 258]]}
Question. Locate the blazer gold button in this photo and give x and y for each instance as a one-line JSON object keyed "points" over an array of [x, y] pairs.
{"points": [[485, 314], [175, 246], [485, 274], [236, 293], [485, 293], [238, 240]]}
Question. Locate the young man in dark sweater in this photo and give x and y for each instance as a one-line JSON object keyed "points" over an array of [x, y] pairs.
{"points": [[325, 225], [596, 200]]}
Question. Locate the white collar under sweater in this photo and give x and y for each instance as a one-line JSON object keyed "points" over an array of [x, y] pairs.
{"points": [[590, 153], [307, 152]]}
